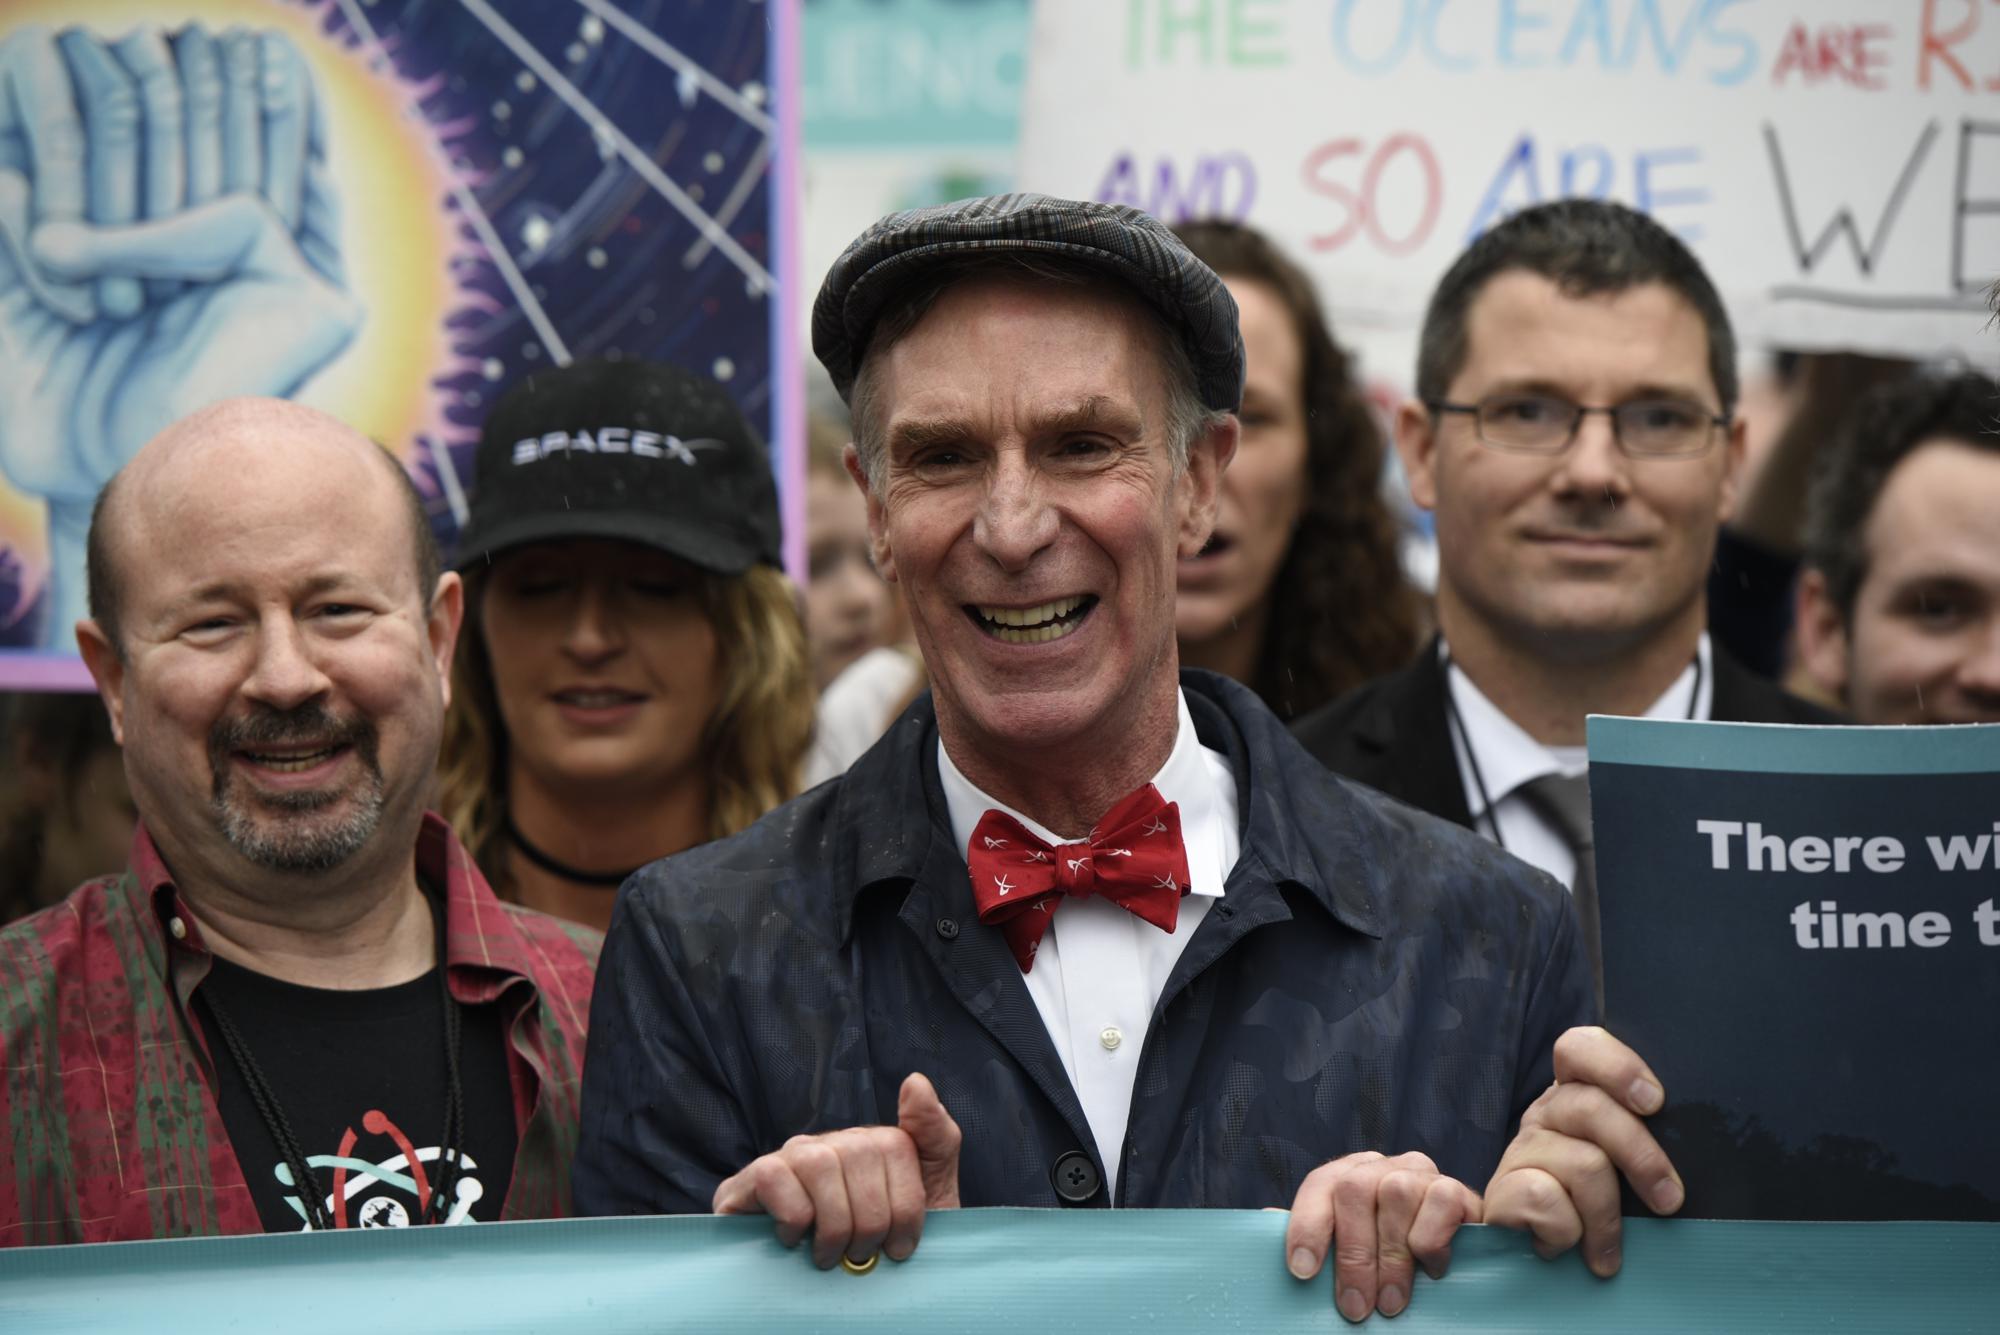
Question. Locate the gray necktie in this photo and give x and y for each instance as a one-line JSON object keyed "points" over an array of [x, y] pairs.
{"points": [[1564, 801]]}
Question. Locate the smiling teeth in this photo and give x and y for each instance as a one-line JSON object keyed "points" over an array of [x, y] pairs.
{"points": [[1031, 616], [1038, 635], [1032, 625]]}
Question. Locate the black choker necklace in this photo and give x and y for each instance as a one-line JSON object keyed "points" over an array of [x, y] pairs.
{"points": [[612, 879]]}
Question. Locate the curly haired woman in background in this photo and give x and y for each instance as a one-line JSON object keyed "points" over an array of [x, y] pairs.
{"points": [[1300, 594]]}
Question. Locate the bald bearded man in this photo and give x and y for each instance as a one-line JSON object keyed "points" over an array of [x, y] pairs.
{"points": [[300, 1007]]}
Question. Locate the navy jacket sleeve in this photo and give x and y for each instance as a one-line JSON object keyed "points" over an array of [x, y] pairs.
{"points": [[1562, 998], [661, 1125]]}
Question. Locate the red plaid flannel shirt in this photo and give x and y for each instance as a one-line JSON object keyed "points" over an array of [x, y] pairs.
{"points": [[108, 1122]]}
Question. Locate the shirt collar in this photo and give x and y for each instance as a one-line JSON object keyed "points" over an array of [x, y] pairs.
{"points": [[1185, 780], [889, 823], [1507, 757], [483, 950]]}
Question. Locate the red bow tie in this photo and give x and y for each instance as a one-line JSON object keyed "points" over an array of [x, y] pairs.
{"points": [[1134, 858]]}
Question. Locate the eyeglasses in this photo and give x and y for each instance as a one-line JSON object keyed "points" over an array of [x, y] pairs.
{"points": [[1547, 424]]}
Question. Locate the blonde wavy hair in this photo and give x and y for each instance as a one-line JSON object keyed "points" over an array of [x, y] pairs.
{"points": [[752, 745]]}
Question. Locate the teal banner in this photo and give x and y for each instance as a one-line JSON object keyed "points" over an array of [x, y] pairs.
{"points": [[1003, 1272]]}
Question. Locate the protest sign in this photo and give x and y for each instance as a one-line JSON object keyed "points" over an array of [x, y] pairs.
{"points": [[1802, 937], [452, 197], [995, 1272], [1835, 163]]}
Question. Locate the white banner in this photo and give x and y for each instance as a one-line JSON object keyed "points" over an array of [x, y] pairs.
{"points": [[1835, 163]]}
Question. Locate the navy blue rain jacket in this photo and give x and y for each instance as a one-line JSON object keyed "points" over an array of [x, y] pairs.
{"points": [[1373, 978]]}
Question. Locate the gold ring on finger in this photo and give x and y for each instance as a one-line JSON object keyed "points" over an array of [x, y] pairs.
{"points": [[854, 1267]]}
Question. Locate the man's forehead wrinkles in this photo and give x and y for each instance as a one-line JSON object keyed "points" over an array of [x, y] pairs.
{"points": [[1099, 412], [257, 588], [281, 554]]}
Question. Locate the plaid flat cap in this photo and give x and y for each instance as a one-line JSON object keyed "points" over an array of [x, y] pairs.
{"points": [[1125, 243]]}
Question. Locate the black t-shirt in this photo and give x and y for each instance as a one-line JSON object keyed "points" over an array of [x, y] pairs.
{"points": [[361, 1078]]}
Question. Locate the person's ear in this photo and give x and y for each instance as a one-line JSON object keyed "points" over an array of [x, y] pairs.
{"points": [[1734, 451], [1415, 430], [107, 669], [447, 614], [878, 519], [1821, 631], [1200, 483]]}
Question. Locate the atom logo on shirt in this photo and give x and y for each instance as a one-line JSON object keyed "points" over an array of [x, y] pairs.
{"points": [[389, 1193]]}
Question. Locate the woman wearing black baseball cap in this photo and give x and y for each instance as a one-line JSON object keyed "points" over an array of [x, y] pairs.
{"points": [[632, 678]]}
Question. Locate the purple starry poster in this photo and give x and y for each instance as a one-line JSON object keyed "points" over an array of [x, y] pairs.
{"points": [[449, 194]]}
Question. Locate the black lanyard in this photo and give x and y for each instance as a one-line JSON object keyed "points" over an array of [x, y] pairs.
{"points": [[1464, 737]]}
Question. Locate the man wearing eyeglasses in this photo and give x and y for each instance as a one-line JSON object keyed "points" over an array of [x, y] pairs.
{"points": [[1575, 434]]}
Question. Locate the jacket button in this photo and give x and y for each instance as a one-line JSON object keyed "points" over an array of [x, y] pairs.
{"points": [[1076, 1178], [948, 928]]}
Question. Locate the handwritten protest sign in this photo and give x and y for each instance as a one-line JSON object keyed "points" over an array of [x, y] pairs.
{"points": [[1835, 163], [1802, 936]]}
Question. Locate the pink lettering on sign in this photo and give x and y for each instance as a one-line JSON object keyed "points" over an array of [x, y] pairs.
{"points": [[1948, 27], [1414, 164], [1837, 53]]}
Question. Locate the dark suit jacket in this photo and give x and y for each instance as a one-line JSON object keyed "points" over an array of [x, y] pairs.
{"points": [[1372, 979], [1394, 734]]}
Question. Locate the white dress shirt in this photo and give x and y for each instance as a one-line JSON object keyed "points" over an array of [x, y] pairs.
{"points": [[1100, 970], [1507, 758]]}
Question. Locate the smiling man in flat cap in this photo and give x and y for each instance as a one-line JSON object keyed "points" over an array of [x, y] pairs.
{"points": [[1084, 929]]}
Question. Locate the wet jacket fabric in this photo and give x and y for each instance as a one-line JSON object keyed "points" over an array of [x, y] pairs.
{"points": [[1373, 978]]}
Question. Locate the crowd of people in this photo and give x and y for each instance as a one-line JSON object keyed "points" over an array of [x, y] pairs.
{"points": [[1109, 820]]}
